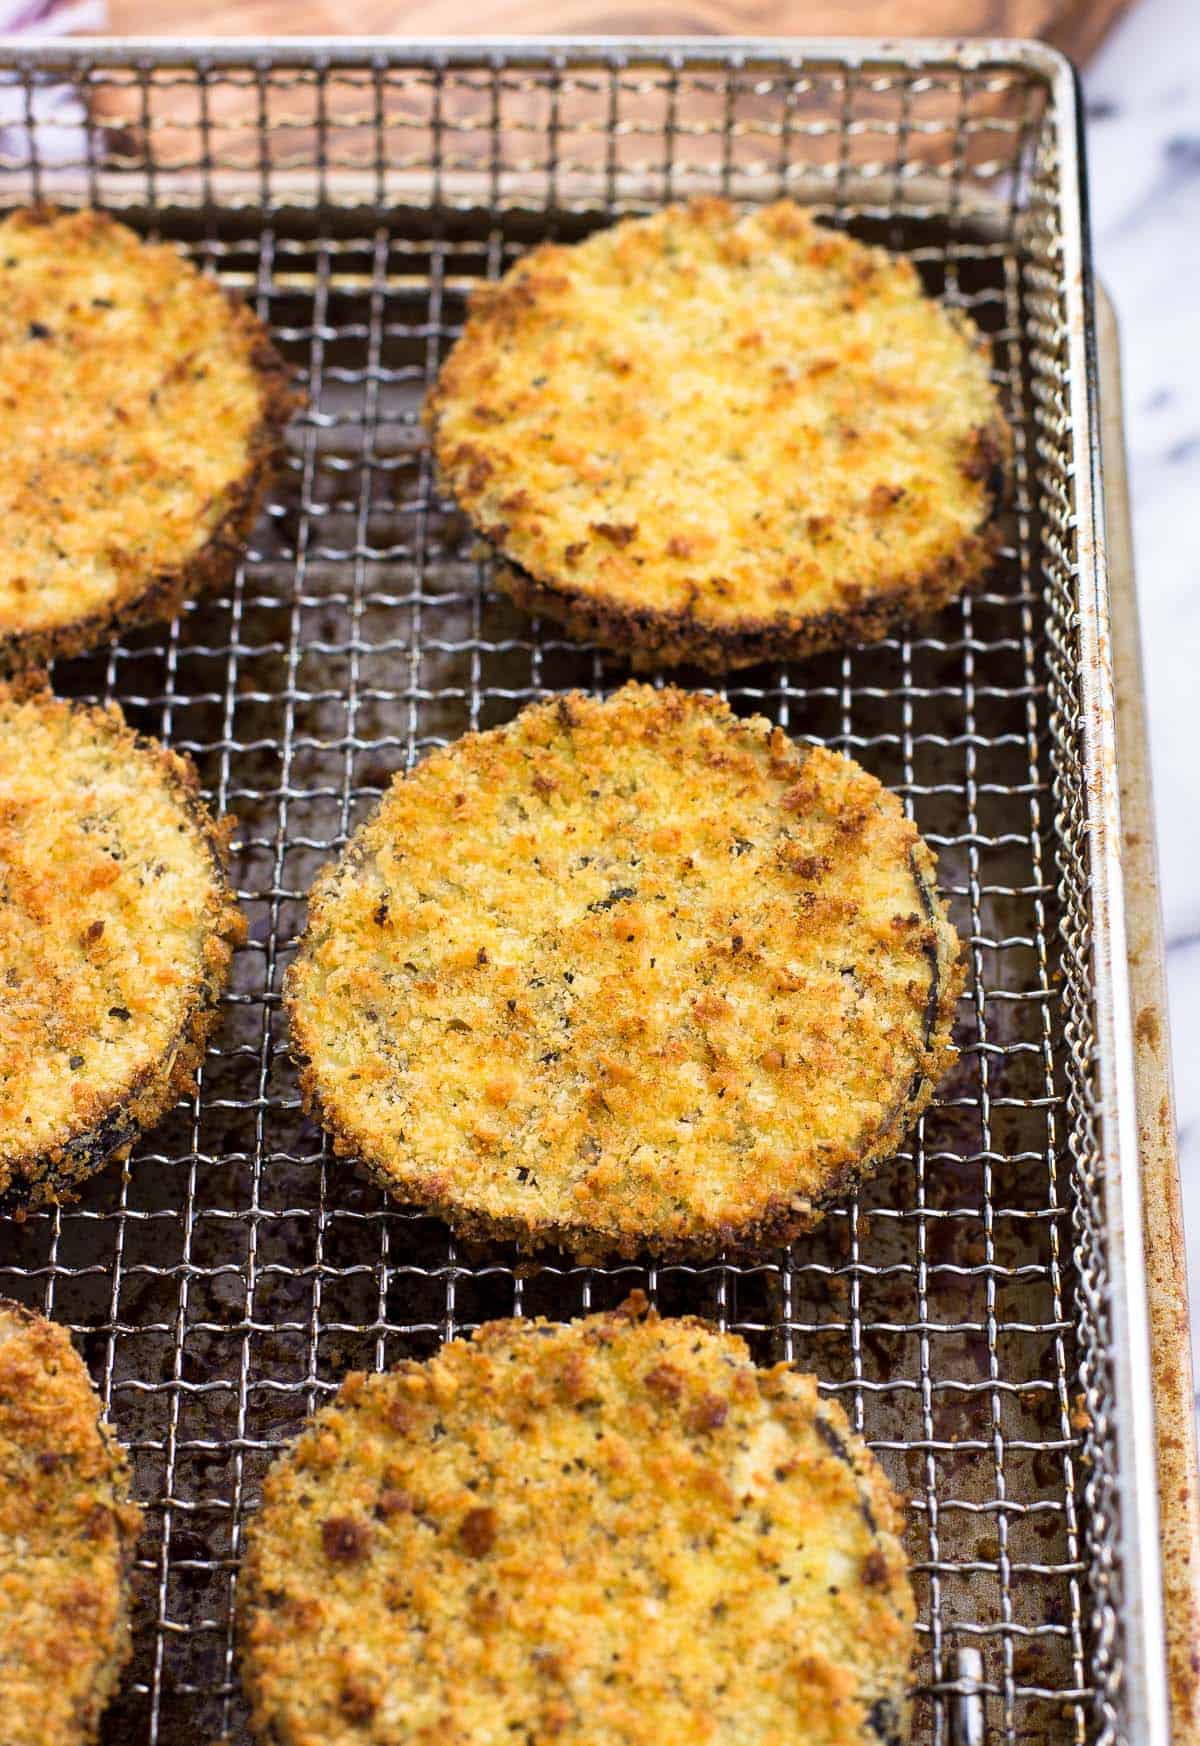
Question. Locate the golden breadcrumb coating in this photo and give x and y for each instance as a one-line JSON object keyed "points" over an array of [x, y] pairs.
{"points": [[117, 928], [617, 1531], [67, 1535], [143, 412], [720, 438], [626, 974]]}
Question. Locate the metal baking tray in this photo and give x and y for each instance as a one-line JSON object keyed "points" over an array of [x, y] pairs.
{"points": [[1162, 1201], [980, 1309]]}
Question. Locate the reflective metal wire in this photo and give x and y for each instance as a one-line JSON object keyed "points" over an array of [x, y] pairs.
{"points": [[223, 1283]]}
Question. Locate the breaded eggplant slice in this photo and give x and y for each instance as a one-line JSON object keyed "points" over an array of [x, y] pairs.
{"points": [[143, 420], [615, 1530], [626, 975], [723, 439], [117, 927], [67, 1537]]}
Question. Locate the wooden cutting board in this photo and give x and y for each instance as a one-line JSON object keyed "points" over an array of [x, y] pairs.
{"points": [[1075, 26]]}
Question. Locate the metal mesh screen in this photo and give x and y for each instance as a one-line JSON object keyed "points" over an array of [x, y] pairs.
{"points": [[224, 1282]]}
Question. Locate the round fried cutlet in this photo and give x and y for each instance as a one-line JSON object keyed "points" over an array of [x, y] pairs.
{"points": [[718, 438], [143, 418], [67, 1535], [617, 1530], [117, 927], [626, 975]]}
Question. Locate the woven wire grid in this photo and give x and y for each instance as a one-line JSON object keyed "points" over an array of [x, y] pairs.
{"points": [[224, 1281]]}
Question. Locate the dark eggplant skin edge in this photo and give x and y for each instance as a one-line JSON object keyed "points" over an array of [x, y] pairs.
{"points": [[888, 1718], [653, 637], [37, 1180], [781, 1221], [212, 565], [109, 1674]]}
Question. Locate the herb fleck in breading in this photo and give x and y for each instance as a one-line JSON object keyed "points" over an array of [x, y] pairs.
{"points": [[117, 928], [67, 1534], [143, 418], [719, 438], [626, 974], [582, 1552]]}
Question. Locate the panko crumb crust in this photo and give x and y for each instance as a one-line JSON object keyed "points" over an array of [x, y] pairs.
{"points": [[144, 411], [617, 1531], [624, 976], [67, 1538], [117, 929], [721, 438]]}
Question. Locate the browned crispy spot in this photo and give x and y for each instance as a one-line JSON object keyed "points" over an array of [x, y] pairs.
{"points": [[709, 1414], [616, 533], [875, 1568], [345, 1539], [666, 1381], [393, 1503], [357, 1701], [477, 1531]]}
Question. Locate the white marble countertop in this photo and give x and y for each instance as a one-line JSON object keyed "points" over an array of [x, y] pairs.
{"points": [[1143, 104]]}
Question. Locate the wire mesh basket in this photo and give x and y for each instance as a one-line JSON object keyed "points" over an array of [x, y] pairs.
{"points": [[978, 1308]]}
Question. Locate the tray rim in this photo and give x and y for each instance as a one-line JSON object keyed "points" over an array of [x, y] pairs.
{"points": [[953, 54], [1137, 1478], [1179, 1488]]}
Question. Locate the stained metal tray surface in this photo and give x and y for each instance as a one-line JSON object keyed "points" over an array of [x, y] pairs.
{"points": [[979, 1309]]}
